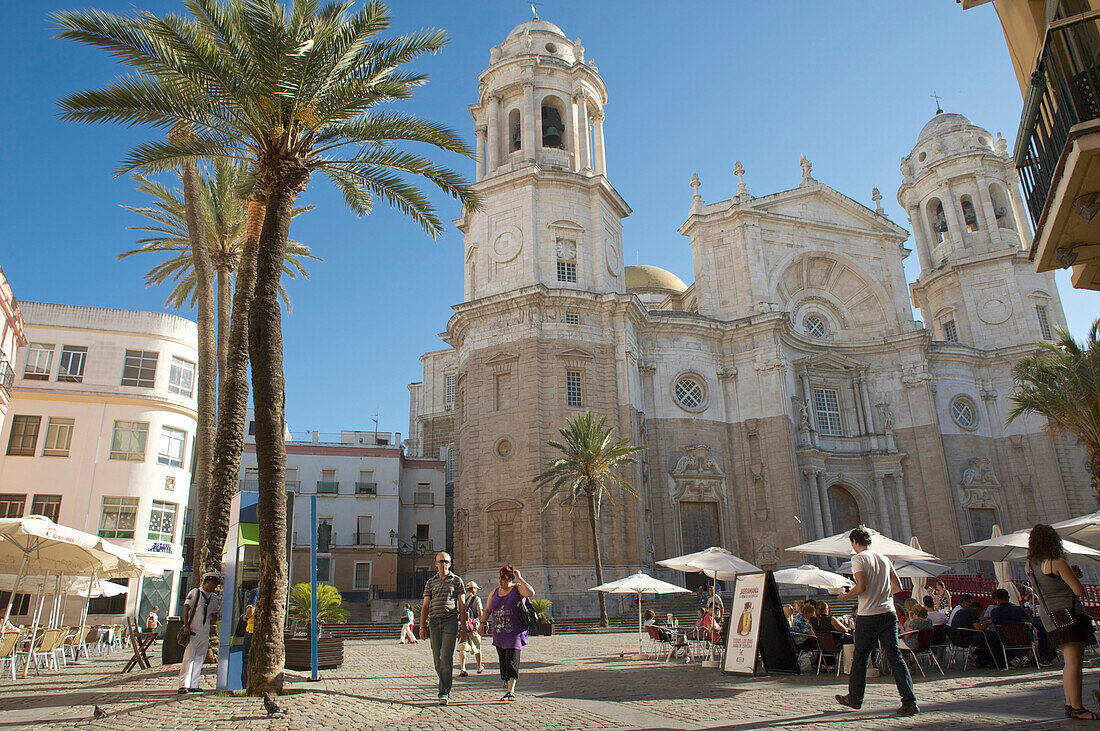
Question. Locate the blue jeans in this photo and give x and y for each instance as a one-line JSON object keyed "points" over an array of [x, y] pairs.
{"points": [[871, 630], [246, 646], [443, 633]]}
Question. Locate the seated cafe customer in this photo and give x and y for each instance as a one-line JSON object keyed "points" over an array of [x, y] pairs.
{"points": [[935, 616], [986, 642], [804, 636], [1005, 612], [824, 622], [918, 620]]}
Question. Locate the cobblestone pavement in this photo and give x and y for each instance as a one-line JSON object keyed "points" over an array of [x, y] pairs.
{"points": [[566, 682]]}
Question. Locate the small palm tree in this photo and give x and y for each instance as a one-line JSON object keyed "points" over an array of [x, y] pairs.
{"points": [[589, 467], [223, 202], [1063, 384], [330, 608]]}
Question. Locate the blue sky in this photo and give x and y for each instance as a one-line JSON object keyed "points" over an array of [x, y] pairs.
{"points": [[693, 87]]}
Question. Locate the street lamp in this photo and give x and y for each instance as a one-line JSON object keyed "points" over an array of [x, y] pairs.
{"points": [[393, 537]]}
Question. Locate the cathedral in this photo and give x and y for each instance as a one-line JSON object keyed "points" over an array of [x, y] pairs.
{"points": [[786, 394]]}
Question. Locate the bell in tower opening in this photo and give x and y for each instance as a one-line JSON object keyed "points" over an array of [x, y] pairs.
{"points": [[552, 128]]}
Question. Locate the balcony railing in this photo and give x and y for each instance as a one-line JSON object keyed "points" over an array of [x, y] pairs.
{"points": [[366, 488], [423, 498], [330, 488], [7, 376], [1064, 91], [423, 545], [364, 539], [254, 485]]}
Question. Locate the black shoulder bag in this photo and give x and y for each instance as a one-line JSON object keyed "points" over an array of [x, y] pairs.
{"points": [[527, 613], [1059, 618]]}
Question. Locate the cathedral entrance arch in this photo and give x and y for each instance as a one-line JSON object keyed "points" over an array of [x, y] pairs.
{"points": [[844, 508], [697, 488]]}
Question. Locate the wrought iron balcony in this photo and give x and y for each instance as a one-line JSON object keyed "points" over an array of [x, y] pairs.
{"points": [[364, 539], [423, 545], [7, 376], [366, 488], [330, 488]]}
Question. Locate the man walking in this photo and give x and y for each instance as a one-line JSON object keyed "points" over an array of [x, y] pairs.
{"points": [[200, 611], [440, 610], [876, 622]]}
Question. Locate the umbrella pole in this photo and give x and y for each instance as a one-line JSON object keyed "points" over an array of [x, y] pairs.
{"points": [[639, 624], [87, 600], [34, 627], [15, 586], [61, 597]]}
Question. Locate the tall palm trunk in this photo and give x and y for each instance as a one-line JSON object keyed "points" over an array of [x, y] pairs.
{"points": [[265, 341], [207, 387], [233, 394], [592, 518], [1094, 470], [225, 307]]}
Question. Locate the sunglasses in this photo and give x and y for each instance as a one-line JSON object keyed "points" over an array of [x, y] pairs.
{"points": [[442, 560]]}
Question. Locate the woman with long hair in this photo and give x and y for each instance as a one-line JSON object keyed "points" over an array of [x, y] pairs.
{"points": [[407, 635], [943, 597], [1059, 590], [509, 632]]}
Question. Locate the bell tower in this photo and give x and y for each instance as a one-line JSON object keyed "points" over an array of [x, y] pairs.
{"points": [[549, 215], [976, 286]]}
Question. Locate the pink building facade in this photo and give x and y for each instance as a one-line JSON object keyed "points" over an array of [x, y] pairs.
{"points": [[12, 338]]}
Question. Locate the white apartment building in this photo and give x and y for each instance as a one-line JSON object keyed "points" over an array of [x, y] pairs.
{"points": [[12, 338], [380, 515], [100, 433]]}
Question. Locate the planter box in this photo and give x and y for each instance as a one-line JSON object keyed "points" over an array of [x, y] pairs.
{"points": [[545, 629], [330, 652]]}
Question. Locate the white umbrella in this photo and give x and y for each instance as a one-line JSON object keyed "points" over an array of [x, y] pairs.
{"points": [[1013, 547], [99, 588], [840, 546], [908, 569], [717, 563], [1084, 529], [1003, 572], [918, 581], [638, 584], [808, 576]]}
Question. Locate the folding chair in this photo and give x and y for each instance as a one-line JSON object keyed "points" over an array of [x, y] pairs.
{"points": [[939, 644], [923, 648], [8, 654], [827, 646], [658, 641], [961, 642], [1018, 636]]}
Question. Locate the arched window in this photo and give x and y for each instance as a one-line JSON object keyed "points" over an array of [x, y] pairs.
{"points": [[937, 221], [515, 131], [970, 216], [553, 123], [844, 507], [1000, 207]]}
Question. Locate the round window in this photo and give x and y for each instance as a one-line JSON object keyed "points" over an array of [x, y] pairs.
{"points": [[503, 447], [550, 47], [920, 157], [982, 141], [964, 413], [690, 393], [815, 326]]}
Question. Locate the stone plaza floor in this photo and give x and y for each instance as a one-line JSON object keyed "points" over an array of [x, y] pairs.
{"points": [[566, 682]]}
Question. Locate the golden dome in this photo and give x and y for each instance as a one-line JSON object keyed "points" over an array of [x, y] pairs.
{"points": [[649, 278]]}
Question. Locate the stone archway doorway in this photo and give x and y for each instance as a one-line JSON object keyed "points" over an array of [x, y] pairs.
{"points": [[844, 508], [699, 530]]}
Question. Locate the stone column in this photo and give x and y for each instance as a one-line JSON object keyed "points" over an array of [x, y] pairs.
{"points": [[599, 158], [903, 508], [808, 395], [584, 144], [920, 233], [986, 204], [956, 227], [867, 418], [815, 505], [530, 120], [479, 134], [883, 512], [823, 495], [1019, 212], [859, 410], [492, 159]]}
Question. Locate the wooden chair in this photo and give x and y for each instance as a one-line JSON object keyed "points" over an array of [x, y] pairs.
{"points": [[8, 644], [1018, 636], [921, 648]]}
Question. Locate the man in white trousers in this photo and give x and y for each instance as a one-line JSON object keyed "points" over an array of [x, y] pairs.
{"points": [[200, 611]]}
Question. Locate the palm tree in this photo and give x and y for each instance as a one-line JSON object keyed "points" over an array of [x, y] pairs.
{"points": [[223, 205], [293, 92], [589, 468], [1063, 384]]}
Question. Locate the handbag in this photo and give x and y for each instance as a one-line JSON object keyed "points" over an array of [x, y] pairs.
{"points": [[183, 636], [527, 614], [1059, 618]]}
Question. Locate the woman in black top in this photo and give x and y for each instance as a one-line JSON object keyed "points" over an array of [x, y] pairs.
{"points": [[1059, 588]]}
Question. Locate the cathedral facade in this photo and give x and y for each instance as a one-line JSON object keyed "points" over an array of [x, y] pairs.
{"points": [[786, 394]]}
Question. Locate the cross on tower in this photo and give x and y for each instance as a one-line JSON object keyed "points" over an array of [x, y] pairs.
{"points": [[938, 98], [534, 9]]}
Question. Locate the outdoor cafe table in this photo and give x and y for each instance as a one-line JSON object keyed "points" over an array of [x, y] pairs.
{"points": [[140, 643]]}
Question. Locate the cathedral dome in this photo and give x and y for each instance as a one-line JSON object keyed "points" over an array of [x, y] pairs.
{"points": [[941, 123], [643, 277], [536, 26]]}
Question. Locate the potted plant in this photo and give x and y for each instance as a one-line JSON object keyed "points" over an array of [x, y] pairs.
{"points": [[546, 621], [330, 650]]}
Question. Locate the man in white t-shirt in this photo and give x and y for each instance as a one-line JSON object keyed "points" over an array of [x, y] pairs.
{"points": [[876, 622], [200, 611], [935, 616]]}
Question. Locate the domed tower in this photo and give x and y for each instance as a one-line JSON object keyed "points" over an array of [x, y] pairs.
{"points": [[976, 288], [548, 214]]}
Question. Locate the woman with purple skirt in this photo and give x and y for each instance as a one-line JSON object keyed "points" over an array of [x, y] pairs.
{"points": [[509, 632]]}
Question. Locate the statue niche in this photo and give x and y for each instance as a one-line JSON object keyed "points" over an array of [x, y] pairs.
{"points": [[697, 488]]}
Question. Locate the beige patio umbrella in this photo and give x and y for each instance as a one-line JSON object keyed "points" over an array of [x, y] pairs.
{"points": [[1003, 572], [839, 545], [638, 584], [918, 581]]}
